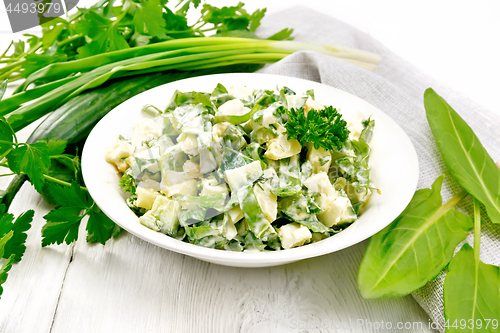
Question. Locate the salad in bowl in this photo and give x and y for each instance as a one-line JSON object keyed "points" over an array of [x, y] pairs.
{"points": [[244, 169]]}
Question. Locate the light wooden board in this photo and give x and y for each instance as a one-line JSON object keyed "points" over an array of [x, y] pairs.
{"points": [[132, 286]]}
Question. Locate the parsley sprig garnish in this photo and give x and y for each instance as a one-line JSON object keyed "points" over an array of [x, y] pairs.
{"points": [[323, 128]]}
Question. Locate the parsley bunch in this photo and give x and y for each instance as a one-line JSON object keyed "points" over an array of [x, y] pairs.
{"points": [[111, 26], [57, 176], [323, 128]]}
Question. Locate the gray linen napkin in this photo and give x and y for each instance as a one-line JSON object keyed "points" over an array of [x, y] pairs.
{"points": [[397, 88]]}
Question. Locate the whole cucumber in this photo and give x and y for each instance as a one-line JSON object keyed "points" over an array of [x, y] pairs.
{"points": [[74, 120]]}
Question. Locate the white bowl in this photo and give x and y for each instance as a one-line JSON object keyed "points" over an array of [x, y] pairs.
{"points": [[393, 159]]}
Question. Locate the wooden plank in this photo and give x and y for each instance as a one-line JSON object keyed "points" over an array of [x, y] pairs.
{"points": [[132, 286], [32, 289]]}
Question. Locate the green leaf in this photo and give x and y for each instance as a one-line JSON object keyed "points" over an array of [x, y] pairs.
{"points": [[65, 168], [104, 34], [62, 225], [8, 263], [284, 34], [72, 196], [238, 23], [31, 159], [19, 48], [3, 240], [52, 30], [178, 24], [117, 231], [414, 248], [6, 136], [185, 7], [4, 270], [100, 228], [256, 17], [32, 40], [55, 147], [16, 245], [471, 292], [467, 160], [5, 224], [229, 18], [148, 18]]}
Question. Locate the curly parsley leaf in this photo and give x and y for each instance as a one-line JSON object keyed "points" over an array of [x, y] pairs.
{"points": [[16, 245], [323, 128]]}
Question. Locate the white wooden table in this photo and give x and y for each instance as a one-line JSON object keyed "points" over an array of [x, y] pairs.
{"points": [[132, 286]]}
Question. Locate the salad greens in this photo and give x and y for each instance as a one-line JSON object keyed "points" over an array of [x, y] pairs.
{"points": [[471, 288], [222, 170]]}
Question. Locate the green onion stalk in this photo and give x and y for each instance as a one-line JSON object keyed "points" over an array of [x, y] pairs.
{"points": [[65, 80]]}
